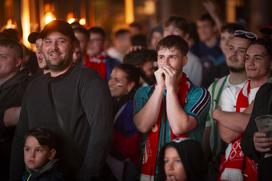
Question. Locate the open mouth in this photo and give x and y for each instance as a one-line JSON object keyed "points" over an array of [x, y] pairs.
{"points": [[54, 54], [30, 162]]}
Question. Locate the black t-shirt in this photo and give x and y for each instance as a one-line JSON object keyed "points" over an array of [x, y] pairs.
{"points": [[77, 106]]}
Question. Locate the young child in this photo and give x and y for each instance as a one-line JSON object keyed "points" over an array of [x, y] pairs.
{"points": [[39, 156], [181, 160]]}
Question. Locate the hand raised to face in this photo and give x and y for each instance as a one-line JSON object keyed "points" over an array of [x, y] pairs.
{"points": [[170, 76], [159, 75]]}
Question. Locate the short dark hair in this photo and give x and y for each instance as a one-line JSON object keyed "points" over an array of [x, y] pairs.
{"points": [[120, 32], [11, 33], [98, 30], [133, 73], [266, 43], [82, 30], [12, 44], [139, 40], [156, 29], [232, 27], [44, 136], [136, 25], [179, 22], [139, 57], [207, 17], [174, 41]]}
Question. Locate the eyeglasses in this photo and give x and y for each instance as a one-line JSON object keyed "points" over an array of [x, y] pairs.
{"points": [[245, 34]]}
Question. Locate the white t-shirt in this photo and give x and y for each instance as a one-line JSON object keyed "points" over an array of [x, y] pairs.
{"points": [[228, 97], [228, 102], [230, 94]]}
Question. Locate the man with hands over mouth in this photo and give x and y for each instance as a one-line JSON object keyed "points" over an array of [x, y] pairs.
{"points": [[172, 108]]}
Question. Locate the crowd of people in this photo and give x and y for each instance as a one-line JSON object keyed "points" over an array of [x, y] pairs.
{"points": [[176, 104]]}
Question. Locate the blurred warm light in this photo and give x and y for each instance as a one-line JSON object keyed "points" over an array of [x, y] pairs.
{"points": [[70, 17], [231, 11], [25, 18], [129, 11], [71, 20], [10, 25], [149, 7], [48, 17], [82, 21]]}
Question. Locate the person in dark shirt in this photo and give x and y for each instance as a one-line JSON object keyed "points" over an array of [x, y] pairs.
{"points": [[73, 102], [13, 83]]}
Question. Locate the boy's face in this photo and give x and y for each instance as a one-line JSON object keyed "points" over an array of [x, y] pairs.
{"points": [[173, 166], [36, 155]]}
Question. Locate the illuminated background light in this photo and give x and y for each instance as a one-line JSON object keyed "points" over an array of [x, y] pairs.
{"points": [[71, 20], [48, 17], [82, 21]]}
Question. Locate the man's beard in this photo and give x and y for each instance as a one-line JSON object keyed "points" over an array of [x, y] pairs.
{"points": [[60, 66], [236, 69]]}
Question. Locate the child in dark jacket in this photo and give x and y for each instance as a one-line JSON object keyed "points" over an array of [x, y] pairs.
{"points": [[39, 156]]}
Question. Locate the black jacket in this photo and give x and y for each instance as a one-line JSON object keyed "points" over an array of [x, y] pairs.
{"points": [[11, 95], [262, 106], [77, 107], [48, 172]]}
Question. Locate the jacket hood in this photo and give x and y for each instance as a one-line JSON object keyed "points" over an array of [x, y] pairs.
{"points": [[191, 155]]}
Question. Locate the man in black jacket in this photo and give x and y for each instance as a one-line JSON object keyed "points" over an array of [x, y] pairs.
{"points": [[255, 144], [71, 101], [12, 86]]}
